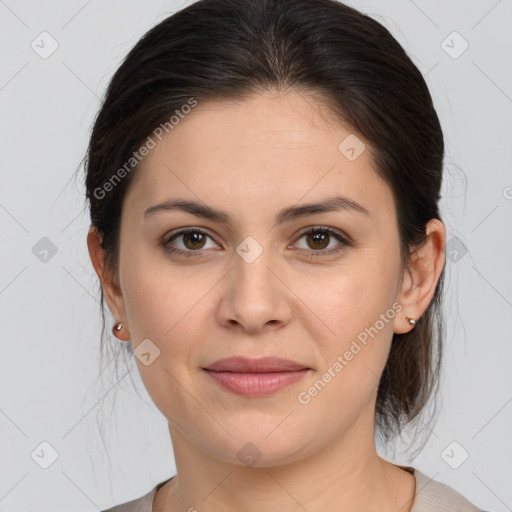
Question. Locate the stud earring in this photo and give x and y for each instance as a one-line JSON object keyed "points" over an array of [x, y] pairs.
{"points": [[412, 321], [116, 330]]}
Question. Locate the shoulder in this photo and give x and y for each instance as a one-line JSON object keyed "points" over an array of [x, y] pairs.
{"points": [[142, 504], [432, 496]]}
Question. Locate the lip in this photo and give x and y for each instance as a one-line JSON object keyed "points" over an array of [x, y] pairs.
{"points": [[256, 377], [260, 365]]}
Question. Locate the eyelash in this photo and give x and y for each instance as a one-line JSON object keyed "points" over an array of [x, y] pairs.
{"points": [[322, 229]]}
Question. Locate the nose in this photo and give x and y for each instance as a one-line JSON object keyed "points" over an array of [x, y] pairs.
{"points": [[254, 295]]}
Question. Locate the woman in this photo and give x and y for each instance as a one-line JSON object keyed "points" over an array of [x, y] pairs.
{"points": [[263, 179]]}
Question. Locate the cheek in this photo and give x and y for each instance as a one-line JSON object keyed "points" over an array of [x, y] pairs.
{"points": [[160, 307], [351, 298], [158, 298], [145, 303], [356, 305], [353, 356]]}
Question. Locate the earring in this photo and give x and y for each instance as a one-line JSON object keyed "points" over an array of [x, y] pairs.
{"points": [[412, 321], [117, 329]]}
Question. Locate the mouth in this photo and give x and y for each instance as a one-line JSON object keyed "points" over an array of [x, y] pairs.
{"points": [[256, 377]]}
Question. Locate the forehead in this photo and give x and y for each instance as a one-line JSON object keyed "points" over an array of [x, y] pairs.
{"points": [[269, 150]]}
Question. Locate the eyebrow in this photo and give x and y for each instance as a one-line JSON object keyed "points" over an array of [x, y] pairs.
{"points": [[288, 214]]}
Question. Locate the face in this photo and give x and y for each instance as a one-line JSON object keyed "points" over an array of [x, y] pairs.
{"points": [[255, 283]]}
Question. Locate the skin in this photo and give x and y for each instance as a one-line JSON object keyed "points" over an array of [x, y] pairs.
{"points": [[251, 159]]}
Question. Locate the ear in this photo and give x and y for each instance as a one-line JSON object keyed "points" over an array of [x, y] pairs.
{"points": [[421, 276], [111, 289]]}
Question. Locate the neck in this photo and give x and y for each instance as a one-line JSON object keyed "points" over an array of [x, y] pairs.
{"points": [[347, 476]]}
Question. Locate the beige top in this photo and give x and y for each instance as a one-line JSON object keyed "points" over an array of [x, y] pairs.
{"points": [[431, 496]]}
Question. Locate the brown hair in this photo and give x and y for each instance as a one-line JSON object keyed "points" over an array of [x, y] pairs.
{"points": [[229, 49]]}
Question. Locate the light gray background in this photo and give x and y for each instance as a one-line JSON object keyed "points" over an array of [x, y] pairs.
{"points": [[49, 314]]}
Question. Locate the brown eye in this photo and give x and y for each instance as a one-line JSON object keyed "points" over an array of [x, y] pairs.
{"points": [[191, 241], [318, 242], [319, 238]]}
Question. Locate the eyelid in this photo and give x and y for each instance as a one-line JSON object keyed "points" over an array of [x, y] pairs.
{"points": [[333, 231], [343, 239], [183, 231]]}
